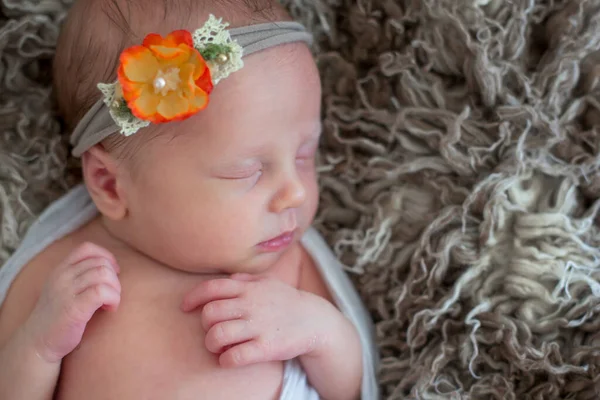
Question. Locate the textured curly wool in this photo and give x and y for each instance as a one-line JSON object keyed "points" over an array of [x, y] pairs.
{"points": [[459, 174]]}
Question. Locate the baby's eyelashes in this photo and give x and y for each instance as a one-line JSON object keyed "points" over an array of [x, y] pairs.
{"points": [[241, 171], [244, 175]]}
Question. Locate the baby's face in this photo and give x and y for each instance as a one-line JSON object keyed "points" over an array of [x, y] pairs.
{"points": [[237, 175]]}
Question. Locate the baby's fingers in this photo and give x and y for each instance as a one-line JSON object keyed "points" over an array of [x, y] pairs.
{"points": [[207, 291], [96, 273], [226, 334], [89, 251], [221, 311], [251, 352], [94, 297]]}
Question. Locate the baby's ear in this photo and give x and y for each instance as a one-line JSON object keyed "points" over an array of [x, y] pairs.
{"points": [[102, 181]]}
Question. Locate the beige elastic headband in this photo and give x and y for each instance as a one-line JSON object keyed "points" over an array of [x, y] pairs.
{"points": [[97, 123]]}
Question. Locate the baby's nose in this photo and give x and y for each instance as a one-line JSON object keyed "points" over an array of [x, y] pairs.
{"points": [[291, 195]]}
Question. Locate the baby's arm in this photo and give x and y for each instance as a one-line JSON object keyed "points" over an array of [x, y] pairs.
{"points": [[25, 375], [30, 359], [335, 370], [334, 367]]}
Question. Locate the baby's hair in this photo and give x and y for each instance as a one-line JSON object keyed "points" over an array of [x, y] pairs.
{"points": [[96, 31]]}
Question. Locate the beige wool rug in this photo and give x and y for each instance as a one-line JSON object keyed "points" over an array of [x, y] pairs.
{"points": [[459, 172]]}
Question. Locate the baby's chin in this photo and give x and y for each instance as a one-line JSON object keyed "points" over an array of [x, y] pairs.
{"points": [[255, 264], [261, 263], [263, 259]]}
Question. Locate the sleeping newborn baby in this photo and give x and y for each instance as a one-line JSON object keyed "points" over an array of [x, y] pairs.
{"points": [[186, 266]]}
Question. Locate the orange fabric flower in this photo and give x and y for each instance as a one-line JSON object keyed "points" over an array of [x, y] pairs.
{"points": [[164, 79]]}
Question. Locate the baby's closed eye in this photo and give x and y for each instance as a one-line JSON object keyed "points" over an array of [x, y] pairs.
{"points": [[241, 171]]}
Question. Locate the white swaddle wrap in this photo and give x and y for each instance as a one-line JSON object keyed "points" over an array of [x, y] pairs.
{"points": [[76, 208]]}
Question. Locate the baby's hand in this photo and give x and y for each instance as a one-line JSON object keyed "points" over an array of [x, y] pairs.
{"points": [[249, 320], [80, 285]]}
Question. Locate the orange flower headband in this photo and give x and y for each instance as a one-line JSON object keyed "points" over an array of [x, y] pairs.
{"points": [[170, 79]]}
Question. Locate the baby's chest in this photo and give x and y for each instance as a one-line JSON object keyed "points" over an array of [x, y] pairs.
{"points": [[150, 349]]}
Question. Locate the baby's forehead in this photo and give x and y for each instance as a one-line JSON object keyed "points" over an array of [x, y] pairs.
{"points": [[247, 133]]}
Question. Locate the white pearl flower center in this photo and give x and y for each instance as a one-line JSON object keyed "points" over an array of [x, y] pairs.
{"points": [[165, 81]]}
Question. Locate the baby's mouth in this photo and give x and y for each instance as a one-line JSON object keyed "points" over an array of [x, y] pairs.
{"points": [[277, 243]]}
